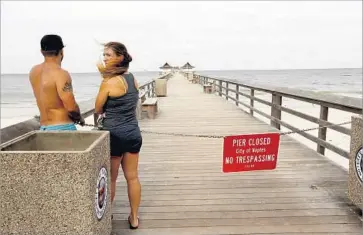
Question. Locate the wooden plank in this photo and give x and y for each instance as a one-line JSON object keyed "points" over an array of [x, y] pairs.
{"points": [[172, 188], [275, 112], [185, 192], [231, 201], [236, 214], [231, 181], [247, 229], [241, 178], [263, 221], [223, 196]]}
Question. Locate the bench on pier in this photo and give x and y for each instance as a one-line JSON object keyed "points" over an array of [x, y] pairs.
{"points": [[208, 88], [150, 106]]}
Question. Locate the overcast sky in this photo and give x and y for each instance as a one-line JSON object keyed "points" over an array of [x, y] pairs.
{"points": [[210, 35]]}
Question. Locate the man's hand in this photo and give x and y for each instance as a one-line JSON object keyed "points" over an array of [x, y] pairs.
{"points": [[78, 120], [75, 116]]}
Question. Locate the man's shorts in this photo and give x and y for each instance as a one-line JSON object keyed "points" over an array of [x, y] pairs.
{"points": [[60, 127]]}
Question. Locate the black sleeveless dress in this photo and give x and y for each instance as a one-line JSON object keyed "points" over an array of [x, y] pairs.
{"points": [[121, 121]]}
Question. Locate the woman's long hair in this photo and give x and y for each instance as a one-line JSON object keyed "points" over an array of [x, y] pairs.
{"points": [[115, 67]]}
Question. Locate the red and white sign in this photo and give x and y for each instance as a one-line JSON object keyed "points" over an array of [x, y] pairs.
{"points": [[250, 152]]}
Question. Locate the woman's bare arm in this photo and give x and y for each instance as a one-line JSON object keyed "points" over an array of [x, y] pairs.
{"points": [[101, 97]]}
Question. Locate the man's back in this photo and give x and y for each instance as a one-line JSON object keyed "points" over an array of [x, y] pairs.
{"points": [[52, 87]]}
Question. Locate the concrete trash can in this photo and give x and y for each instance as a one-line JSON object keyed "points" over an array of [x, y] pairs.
{"points": [[161, 87], [56, 182], [355, 183]]}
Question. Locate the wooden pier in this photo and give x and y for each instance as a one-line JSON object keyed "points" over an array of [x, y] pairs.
{"points": [[185, 192]]}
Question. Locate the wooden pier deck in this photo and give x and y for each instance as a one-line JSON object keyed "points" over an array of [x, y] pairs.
{"points": [[184, 190]]}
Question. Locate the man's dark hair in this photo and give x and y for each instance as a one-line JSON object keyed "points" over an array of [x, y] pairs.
{"points": [[51, 45]]}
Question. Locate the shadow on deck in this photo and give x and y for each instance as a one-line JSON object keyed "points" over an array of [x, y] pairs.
{"points": [[185, 192]]}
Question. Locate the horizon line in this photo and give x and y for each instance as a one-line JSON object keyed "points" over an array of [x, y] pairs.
{"points": [[208, 70]]}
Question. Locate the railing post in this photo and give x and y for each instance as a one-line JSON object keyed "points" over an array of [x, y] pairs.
{"points": [[237, 95], [148, 90], [153, 89], [220, 87], [275, 112], [322, 131], [252, 94], [227, 90], [138, 109]]}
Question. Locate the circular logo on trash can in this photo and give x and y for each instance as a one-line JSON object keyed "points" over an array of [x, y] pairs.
{"points": [[101, 193], [359, 164]]}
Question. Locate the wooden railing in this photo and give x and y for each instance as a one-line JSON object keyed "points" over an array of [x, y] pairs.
{"points": [[233, 90], [87, 109]]}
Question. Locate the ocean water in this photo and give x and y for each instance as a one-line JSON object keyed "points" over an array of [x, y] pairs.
{"points": [[339, 81], [18, 103]]}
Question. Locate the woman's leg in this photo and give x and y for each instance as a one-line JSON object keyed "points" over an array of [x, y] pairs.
{"points": [[130, 167], [115, 165]]}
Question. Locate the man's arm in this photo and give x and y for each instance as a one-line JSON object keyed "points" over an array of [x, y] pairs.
{"points": [[65, 92]]}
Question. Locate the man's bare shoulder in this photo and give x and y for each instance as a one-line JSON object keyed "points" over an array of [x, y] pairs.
{"points": [[62, 74], [35, 70]]}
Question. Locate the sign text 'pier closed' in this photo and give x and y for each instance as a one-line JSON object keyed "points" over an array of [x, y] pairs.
{"points": [[250, 152]]}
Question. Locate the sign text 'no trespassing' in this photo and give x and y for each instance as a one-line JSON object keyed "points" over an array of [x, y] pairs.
{"points": [[250, 152]]}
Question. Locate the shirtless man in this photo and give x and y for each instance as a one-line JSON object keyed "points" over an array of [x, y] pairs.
{"points": [[52, 88]]}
